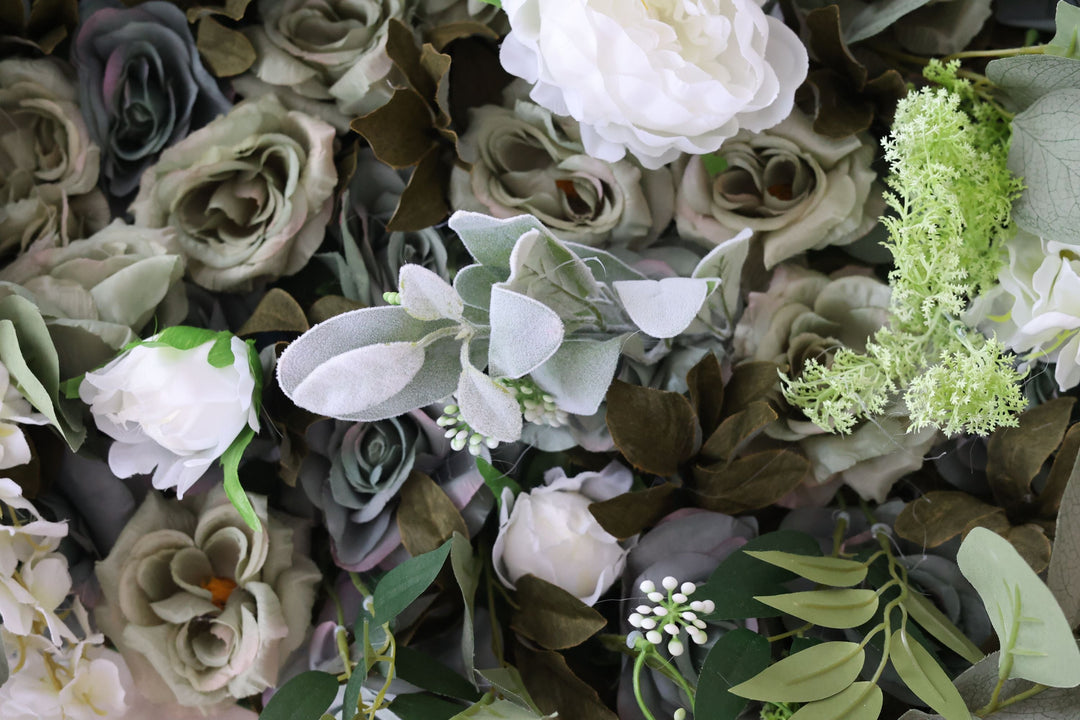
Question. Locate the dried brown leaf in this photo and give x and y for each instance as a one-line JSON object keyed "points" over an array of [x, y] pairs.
{"points": [[426, 515], [655, 430], [940, 516], [1016, 455], [276, 312], [749, 483], [706, 382], [736, 431], [227, 52]]}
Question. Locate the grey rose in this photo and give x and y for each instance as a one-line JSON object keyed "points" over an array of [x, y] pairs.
{"points": [[142, 86], [524, 160], [354, 473]]}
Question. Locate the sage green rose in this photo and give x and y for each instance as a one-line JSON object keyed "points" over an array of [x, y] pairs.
{"points": [[203, 609], [795, 189], [249, 195], [97, 294]]}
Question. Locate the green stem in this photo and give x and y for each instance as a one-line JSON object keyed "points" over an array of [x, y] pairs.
{"points": [[639, 663], [790, 633], [1006, 52], [990, 707]]}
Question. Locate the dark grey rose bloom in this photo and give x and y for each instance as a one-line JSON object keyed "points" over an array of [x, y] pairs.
{"points": [[354, 473], [142, 86]]}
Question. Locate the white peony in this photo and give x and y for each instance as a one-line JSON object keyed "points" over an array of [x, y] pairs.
{"points": [[659, 77], [14, 410], [550, 533], [170, 411]]}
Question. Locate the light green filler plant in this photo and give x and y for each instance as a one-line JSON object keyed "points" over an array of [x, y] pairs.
{"points": [[952, 194]]}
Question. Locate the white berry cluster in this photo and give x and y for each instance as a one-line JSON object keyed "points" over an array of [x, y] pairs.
{"points": [[671, 613], [536, 405], [461, 434]]}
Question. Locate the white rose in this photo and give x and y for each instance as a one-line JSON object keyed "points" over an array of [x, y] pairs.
{"points": [[550, 533], [655, 78], [170, 411]]}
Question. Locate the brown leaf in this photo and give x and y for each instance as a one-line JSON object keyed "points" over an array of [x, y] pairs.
{"points": [[402, 49], [940, 516], [555, 687], [1032, 544], [827, 46], [706, 384], [276, 312], [1060, 471], [399, 132], [443, 35], [751, 482], [749, 383], [423, 201], [835, 114], [233, 9], [552, 617], [736, 431], [330, 306], [630, 513], [426, 516], [1016, 455], [655, 430], [476, 78], [227, 52]]}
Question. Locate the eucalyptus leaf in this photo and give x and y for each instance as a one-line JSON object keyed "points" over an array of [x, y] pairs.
{"points": [[1025, 78], [489, 408], [426, 296], [1045, 151], [828, 608], [812, 674], [406, 582], [933, 621], [353, 688], [307, 695], [736, 657], [860, 701], [833, 571], [230, 462], [525, 333], [923, 676], [663, 308], [1036, 640], [877, 16]]}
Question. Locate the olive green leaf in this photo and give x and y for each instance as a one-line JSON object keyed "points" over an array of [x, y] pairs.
{"points": [[628, 514], [552, 617], [655, 430], [1015, 455], [1036, 641], [736, 431], [860, 701], [932, 620], [827, 608], [555, 687], [467, 568], [939, 516], [812, 674], [836, 572], [426, 516], [228, 52], [923, 676], [1063, 577], [278, 311]]}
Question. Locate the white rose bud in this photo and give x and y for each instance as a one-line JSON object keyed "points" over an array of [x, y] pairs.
{"points": [[550, 533], [170, 411]]}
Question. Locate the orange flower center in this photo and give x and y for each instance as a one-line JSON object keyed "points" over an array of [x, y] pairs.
{"points": [[220, 590]]}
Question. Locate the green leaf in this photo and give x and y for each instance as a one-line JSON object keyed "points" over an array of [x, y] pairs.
{"points": [[306, 696], [976, 685], [507, 680], [417, 706], [861, 701], [1045, 151], [426, 516], [832, 571], [185, 337], [221, 354], [496, 480], [877, 16], [351, 703], [1066, 41], [736, 580], [655, 430], [736, 657], [230, 462], [628, 514], [552, 617], [424, 671], [813, 674], [1036, 641], [467, 568], [923, 676], [399, 587], [932, 620], [827, 608], [1025, 78], [714, 164], [501, 709], [1063, 577]]}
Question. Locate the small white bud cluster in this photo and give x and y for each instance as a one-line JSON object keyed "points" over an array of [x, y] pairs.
{"points": [[671, 613], [536, 405], [459, 432]]}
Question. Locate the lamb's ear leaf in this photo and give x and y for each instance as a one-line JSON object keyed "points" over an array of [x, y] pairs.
{"points": [[579, 373], [1037, 641], [525, 333], [489, 408], [663, 308], [491, 240], [359, 379], [426, 296]]}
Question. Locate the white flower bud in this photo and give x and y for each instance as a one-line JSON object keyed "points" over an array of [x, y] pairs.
{"points": [[635, 620], [688, 588], [675, 647], [645, 609], [670, 583], [647, 586], [648, 623], [679, 598], [671, 629], [659, 611], [708, 606], [654, 637], [680, 714], [656, 596], [687, 615]]}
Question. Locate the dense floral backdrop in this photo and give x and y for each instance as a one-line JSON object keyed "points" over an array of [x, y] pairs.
{"points": [[443, 359]]}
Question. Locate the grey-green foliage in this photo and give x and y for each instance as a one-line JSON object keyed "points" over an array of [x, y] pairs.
{"points": [[1037, 643], [531, 306]]}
